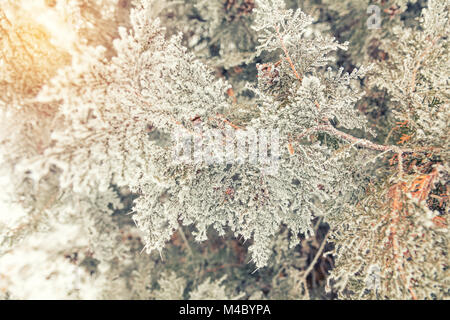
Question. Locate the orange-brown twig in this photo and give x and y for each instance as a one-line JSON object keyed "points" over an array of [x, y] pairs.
{"points": [[288, 58]]}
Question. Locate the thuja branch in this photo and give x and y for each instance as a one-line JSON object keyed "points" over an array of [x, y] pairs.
{"points": [[420, 61], [362, 142], [288, 57], [332, 130]]}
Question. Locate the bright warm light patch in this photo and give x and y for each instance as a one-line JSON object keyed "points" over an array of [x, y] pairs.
{"points": [[56, 20]]}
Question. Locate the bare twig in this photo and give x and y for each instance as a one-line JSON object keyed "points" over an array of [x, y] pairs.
{"points": [[366, 143], [288, 58], [313, 263], [183, 236]]}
